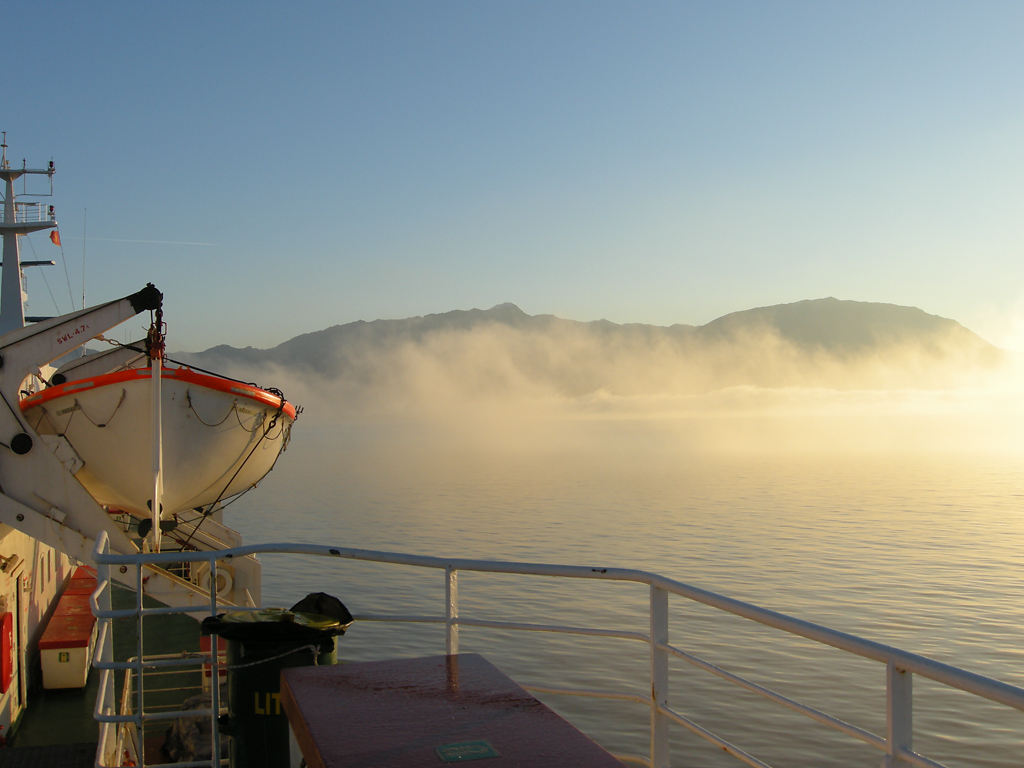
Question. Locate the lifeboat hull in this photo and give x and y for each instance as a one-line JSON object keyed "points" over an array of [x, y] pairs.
{"points": [[219, 437]]}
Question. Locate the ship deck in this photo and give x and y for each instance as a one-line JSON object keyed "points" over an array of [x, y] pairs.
{"points": [[58, 728]]}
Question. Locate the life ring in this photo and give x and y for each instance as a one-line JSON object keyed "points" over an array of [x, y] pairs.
{"points": [[225, 578]]}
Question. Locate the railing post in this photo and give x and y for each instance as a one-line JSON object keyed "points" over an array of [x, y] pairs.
{"points": [[659, 677], [214, 671], [139, 692], [899, 711], [451, 594], [106, 655]]}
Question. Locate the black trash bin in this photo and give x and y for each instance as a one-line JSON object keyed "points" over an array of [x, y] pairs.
{"points": [[259, 645]]}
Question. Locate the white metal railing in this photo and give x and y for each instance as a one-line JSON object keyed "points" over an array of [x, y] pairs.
{"points": [[122, 729], [900, 666], [31, 213]]}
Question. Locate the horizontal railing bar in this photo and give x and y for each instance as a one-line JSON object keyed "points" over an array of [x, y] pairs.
{"points": [[162, 610], [102, 718], [151, 716], [814, 714], [954, 677], [121, 613], [629, 758], [156, 677], [972, 683], [913, 758], [174, 714], [194, 654], [400, 619], [171, 688], [153, 665], [557, 628], [715, 739], [157, 610], [163, 707], [588, 693], [463, 621], [193, 690]]}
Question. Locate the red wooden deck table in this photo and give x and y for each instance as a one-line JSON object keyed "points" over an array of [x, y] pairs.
{"points": [[427, 713]]}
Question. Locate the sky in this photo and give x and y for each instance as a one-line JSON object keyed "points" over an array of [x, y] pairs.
{"points": [[277, 168]]}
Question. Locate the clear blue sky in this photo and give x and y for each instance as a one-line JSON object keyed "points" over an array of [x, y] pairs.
{"points": [[277, 168]]}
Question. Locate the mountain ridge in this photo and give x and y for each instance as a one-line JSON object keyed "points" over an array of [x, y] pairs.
{"points": [[805, 342]]}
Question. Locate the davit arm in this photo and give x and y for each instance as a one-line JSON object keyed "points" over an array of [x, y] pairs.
{"points": [[38, 494]]}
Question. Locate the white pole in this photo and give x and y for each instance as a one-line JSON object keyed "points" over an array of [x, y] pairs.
{"points": [[451, 589], [156, 367]]}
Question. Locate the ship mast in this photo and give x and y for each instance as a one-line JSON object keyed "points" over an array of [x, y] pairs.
{"points": [[19, 219]]}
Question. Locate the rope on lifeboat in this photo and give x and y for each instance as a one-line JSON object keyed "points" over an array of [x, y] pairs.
{"points": [[232, 409], [79, 409], [266, 431], [190, 366]]}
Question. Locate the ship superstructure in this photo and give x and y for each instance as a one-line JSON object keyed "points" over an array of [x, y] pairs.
{"points": [[66, 478]]}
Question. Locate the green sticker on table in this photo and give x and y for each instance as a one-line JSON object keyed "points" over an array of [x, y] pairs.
{"points": [[466, 750]]}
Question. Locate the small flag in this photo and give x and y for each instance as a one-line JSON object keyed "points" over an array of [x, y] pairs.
{"points": [[55, 237]]}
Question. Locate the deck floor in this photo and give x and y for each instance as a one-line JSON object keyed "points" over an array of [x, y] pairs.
{"points": [[51, 756], [63, 718]]}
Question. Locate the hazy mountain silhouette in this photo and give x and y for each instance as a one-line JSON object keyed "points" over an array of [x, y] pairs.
{"points": [[819, 342], [849, 327]]}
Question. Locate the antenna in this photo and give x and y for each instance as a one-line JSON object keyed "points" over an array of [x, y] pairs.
{"points": [[85, 216], [3, 158]]}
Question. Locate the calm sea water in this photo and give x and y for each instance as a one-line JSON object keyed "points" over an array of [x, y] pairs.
{"points": [[921, 550]]}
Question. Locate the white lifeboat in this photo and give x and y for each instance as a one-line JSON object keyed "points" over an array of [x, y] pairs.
{"points": [[220, 436]]}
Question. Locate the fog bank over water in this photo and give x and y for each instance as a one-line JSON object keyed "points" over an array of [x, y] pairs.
{"points": [[499, 386], [501, 352], [869, 483]]}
